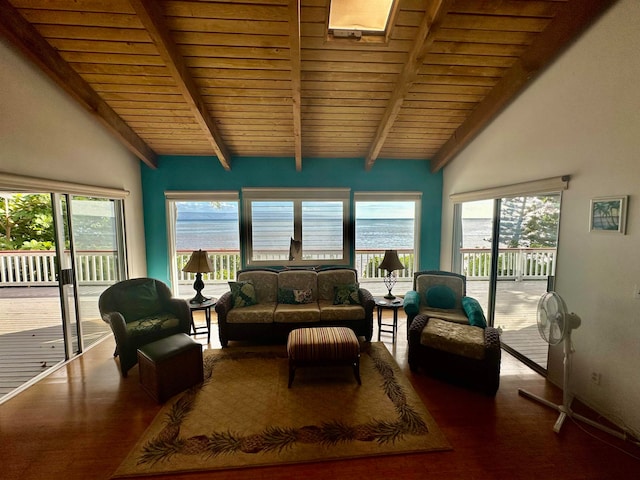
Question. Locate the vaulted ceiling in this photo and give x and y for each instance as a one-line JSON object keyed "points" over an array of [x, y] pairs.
{"points": [[260, 77]]}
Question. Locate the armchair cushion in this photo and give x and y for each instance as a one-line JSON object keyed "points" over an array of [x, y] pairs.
{"points": [[473, 310], [440, 296], [138, 301], [152, 324], [463, 340]]}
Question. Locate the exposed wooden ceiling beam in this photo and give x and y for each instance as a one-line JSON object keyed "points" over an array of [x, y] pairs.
{"points": [[150, 14], [425, 37], [27, 39], [564, 29], [294, 47]]}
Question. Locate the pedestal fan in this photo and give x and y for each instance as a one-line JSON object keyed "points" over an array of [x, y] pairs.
{"points": [[555, 324]]}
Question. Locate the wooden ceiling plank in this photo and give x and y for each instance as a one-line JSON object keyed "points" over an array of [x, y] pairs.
{"points": [[566, 26], [296, 78], [431, 21], [151, 16], [27, 39]]}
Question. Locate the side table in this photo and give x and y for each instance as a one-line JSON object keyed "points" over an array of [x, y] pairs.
{"points": [[392, 304], [206, 306]]}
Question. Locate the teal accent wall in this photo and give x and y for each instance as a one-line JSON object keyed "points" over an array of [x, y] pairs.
{"points": [[183, 173]]}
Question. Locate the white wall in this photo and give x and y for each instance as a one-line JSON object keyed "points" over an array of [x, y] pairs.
{"points": [[580, 117], [44, 133]]}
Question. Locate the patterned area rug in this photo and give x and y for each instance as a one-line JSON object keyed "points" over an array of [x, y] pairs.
{"points": [[244, 415]]}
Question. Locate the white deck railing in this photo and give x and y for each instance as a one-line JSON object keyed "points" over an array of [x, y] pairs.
{"points": [[513, 263], [32, 267]]}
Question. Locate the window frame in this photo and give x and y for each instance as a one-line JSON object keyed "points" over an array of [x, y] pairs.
{"points": [[297, 196], [171, 198]]}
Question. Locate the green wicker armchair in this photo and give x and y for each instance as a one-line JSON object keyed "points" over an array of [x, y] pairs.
{"points": [[140, 311]]}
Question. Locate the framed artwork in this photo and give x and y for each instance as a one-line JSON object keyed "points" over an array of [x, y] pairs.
{"points": [[608, 214]]}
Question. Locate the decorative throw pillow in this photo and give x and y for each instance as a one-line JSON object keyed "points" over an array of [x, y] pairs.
{"points": [[302, 296], [411, 303], [473, 310], [441, 296], [243, 294], [285, 295], [346, 294]]}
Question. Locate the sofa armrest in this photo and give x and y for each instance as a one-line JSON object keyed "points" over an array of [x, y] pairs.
{"points": [[223, 306]]}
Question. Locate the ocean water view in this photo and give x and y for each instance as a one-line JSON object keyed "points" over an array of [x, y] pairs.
{"points": [[371, 234], [223, 234]]}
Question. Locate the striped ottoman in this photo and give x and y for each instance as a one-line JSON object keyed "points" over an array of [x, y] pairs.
{"points": [[323, 346]]}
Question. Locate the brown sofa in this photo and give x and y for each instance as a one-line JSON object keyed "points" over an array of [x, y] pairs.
{"points": [[266, 304]]}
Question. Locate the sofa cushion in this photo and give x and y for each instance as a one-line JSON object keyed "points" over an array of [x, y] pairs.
{"points": [[346, 294], [302, 313], [327, 279], [455, 283], [473, 310], [464, 340], [440, 296], [258, 313], [265, 283], [299, 280], [335, 313], [243, 294]]}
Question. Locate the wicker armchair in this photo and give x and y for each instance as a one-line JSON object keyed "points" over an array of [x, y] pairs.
{"points": [[447, 332], [140, 311]]}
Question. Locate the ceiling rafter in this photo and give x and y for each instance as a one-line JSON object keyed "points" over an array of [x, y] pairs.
{"points": [[150, 14], [426, 35], [294, 47], [27, 39], [567, 24]]}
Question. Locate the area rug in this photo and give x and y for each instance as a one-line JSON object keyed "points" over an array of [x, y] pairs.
{"points": [[244, 415]]}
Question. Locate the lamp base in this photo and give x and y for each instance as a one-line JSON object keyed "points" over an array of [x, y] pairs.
{"points": [[389, 296], [198, 285], [199, 298]]}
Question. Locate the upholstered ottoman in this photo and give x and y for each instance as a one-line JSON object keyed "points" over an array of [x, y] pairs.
{"points": [[170, 365], [323, 346]]}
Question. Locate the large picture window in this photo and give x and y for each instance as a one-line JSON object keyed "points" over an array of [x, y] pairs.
{"points": [[207, 221], [296, 226]]}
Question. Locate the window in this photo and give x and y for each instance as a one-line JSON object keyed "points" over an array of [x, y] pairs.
{"points": [[203, 221], [280, 220], [386, 221], [361, 20]]}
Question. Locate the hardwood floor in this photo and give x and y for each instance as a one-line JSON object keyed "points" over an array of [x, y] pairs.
{"points": [[81, 421]]}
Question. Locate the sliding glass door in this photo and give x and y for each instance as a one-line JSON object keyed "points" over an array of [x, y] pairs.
{"points": [[58, 252], [507, 248]]}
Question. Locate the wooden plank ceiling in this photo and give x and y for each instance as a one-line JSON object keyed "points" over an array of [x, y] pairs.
{"points": [[259, 77]]}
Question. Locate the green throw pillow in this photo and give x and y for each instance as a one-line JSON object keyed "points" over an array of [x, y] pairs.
{"points": [[139, 301], [243, 294], [291, 296], [285, 295], [474, 312], [346, 294], [411, 303], [441, 296]]}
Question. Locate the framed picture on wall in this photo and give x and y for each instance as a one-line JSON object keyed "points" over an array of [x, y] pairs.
{"points": [[608, 214]]}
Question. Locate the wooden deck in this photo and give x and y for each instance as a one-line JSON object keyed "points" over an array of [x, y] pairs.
{"points": [[31, 340]]}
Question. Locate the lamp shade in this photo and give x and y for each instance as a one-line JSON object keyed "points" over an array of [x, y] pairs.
{"points": [[391, 262], [199, 263]]}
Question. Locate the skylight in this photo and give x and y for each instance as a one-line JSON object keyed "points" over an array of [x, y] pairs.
{"points": [[357, 18]]}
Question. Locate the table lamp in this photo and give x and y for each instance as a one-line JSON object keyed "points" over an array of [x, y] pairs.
{"points": [[390, 263], [199, 263]]}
